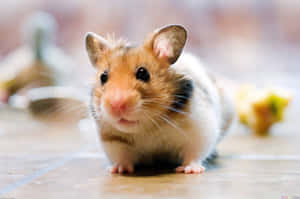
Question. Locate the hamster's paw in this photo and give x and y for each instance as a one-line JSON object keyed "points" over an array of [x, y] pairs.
{"points": [[121, 169], [190, 169]]}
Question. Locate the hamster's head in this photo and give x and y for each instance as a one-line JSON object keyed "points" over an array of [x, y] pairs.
{"points": [[135, 86]]}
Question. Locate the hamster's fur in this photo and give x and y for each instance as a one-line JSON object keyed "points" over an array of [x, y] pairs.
{"points": [[151, 103]]}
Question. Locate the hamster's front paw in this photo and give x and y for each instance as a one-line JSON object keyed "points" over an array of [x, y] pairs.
{"points": [[121, 168], [192, 168]]}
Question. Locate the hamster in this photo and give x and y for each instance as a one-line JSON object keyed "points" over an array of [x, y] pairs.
{"points": [[149, 104]]}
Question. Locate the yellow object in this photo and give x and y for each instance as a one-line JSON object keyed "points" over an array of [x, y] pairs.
{"points": [[260, 109]]}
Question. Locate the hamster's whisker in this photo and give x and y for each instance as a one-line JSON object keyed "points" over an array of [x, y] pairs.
{"points": [[152, 120], [145, 128], [96, 115], [168, 121], [176, 110], [158, 115], [181, 96], [166, 106]]}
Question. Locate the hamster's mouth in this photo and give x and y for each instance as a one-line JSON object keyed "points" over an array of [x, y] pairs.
{"points": [[127, 122]]}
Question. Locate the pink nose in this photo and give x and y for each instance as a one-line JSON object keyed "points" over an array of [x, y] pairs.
{"points": [[118, 106]]}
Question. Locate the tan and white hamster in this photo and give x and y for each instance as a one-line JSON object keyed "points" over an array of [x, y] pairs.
{"points": [[148, 105]]}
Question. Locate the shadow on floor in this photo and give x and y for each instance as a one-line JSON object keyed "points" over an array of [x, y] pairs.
{"points": [[162, 168]]}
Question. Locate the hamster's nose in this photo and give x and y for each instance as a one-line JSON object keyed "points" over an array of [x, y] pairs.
{"points": [[118, 105], [120, 102]]}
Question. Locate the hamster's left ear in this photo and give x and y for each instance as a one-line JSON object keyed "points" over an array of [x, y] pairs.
{"points": [[96, 46], [167, 42]]}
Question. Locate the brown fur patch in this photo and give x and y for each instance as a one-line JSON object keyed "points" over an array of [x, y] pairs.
{"points": [[108, 137]]}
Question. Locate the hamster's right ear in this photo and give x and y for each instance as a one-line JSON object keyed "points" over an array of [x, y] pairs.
{"points": [[96, 46], [167, 43]]}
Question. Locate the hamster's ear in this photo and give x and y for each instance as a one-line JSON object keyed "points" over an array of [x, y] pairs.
{"points": [[167, 42], [96, 46]]}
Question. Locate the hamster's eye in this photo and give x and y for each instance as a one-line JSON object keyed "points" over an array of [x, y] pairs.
{"points": [[142, 74], [104, 77]]}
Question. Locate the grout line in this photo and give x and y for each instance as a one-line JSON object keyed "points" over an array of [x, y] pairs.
{"points": [[56, 164]]}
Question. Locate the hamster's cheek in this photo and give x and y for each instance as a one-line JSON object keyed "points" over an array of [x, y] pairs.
{"points": [[105, 116]]}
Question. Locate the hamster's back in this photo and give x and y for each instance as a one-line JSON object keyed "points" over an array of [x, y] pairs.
{"points": [[208, 89]]}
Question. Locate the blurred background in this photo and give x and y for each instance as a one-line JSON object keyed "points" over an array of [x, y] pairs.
{"points": [[235, 37], [244, 40]]}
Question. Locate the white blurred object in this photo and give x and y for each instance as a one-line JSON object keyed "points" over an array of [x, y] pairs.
{"points": [[39, 62], [58, 104]]}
